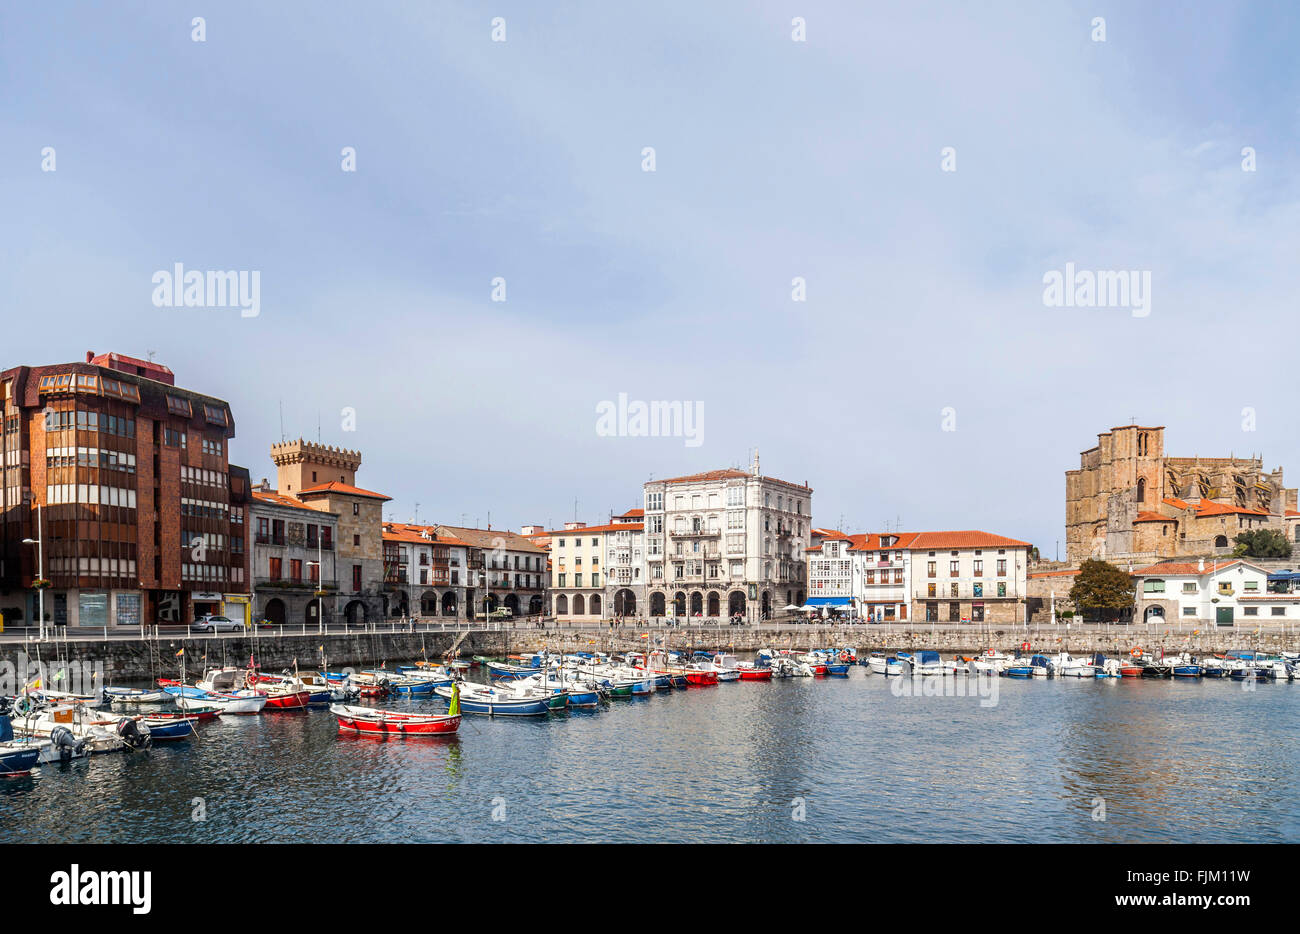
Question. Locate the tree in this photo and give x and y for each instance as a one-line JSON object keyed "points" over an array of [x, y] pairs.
{"points": [[1262, 543], [1103, 588]]}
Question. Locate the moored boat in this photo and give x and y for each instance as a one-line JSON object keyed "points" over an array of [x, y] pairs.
{"points": [[370, 721]]}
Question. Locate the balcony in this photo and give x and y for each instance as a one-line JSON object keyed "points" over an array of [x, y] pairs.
{"points": [[698, 533]]}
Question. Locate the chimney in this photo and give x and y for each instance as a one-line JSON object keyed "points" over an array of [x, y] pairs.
{"points": [[90, 355], [755, 464], [1200, 565]]}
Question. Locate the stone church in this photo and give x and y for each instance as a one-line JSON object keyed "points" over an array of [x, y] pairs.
{"points": [[1128, 500]]}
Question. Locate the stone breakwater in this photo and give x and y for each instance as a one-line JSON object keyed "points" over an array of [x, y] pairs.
{"points": [[140, 659]]}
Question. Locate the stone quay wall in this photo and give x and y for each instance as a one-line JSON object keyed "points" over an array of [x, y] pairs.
{"points": [[123, 660]]}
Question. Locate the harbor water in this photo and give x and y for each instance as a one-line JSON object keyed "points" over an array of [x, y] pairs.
{"points": [[804, 760]]}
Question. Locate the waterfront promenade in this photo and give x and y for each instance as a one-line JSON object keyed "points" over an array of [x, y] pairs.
{"points": [[140, 654]]}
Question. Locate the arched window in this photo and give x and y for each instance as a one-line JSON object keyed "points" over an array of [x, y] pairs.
{"points": [[561, 605], [579, 606], [1142, 490], [1220, 541]]}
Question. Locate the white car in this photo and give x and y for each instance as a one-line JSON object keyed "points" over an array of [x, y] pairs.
{"points": [[217, 624]]}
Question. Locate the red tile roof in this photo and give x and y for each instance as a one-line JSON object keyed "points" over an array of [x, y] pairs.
{"points": [[1153, 517], [334, 486], [279, 499], [970, 538], [729, 474], [1186, 568], [631, 514], [1067, 572], [1208, 507]]}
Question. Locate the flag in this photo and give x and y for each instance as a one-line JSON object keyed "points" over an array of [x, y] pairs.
{"points": [[179, 654], [34, 684], [58, 676]]}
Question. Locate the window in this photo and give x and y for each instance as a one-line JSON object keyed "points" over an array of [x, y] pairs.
{"points": [[178, 406], [295, 569], [356, 578], [1002, 588], [173, 438], [214, 415], [954, 568], [1251, 586], [356, 510], [1250, 611], [1189, 587], [275, 566], [1153, 586], [1278, 610], [1189, 611], [979, 568], [1002, 567], [930, 569]]}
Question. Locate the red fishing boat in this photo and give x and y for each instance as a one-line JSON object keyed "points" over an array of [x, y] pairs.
{"points": [[756, 674], [286, 699], [370, 721]]}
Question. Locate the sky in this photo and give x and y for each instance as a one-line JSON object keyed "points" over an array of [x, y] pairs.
{"points": [[921, 167]]}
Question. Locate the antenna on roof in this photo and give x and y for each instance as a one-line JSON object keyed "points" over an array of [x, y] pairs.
{"points": [[282, 421], [416, 520]]}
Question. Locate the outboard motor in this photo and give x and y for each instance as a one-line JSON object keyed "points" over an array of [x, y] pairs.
{"points": [[67, 744], [134, 735]]}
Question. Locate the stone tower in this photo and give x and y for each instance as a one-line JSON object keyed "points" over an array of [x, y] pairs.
{"points": [[303, 464]]}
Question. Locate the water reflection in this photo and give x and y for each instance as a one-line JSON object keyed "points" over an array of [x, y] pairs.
{"points": [[1170, 760]]}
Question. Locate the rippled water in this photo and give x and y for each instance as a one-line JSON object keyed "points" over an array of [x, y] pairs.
{"points": [[1171, 760]]}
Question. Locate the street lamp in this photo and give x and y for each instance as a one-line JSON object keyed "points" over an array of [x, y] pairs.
{"points": [[40, 582]]}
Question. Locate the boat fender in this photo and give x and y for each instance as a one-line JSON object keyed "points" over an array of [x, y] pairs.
{"points": [[24, 706], [1024, 646]]}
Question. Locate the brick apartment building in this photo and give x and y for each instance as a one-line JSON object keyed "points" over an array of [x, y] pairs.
{"points": [[142, 517]]}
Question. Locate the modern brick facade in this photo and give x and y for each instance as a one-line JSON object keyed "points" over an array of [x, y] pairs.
{"points": [[135, 493]]}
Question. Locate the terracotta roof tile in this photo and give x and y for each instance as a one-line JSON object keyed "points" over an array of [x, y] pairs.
{"points": [[969, 538], [334, 486]]}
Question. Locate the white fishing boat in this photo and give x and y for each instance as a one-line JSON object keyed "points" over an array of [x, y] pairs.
{"points": [[128, 696], [241, 703], [990, 663], [881, 664], [67, 725]]}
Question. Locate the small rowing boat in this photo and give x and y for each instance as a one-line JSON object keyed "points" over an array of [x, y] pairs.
{"points": [[370, 721]]}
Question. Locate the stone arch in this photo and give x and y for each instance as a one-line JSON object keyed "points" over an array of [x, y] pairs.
{"points": [[429, 603], [311, 612], [715, 604], [274, 611], [697, 604], [449, 603], [1153, 613], [561, 605], [512, 604], [356, 612], [658, 604], [593, 605], [1142, 490], [679, 604], [736, 603], [579, 605], [767, 604], [1220, 541], [625, 600], [534, 605]]}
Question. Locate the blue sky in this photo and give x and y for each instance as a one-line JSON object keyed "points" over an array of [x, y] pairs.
{"points": [[774, 159]]}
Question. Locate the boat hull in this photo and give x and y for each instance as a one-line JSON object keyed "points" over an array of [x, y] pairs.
{"points": [[386, 723], [17, 759]]}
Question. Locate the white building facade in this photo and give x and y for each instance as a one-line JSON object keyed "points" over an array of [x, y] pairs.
{"points": [[725, 544], [1222, 593]]}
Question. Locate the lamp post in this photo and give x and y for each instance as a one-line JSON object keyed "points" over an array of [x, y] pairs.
{"points": [[39, 542]]}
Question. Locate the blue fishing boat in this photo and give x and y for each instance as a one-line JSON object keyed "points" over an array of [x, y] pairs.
{"points": [[16, 758], [170, 727], [500, 702], [1037, 667]]}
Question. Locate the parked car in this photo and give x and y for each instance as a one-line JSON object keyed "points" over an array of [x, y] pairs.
{"points": [[212, 623]]}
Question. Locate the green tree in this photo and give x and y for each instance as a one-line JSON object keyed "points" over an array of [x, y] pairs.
{"points": [[1102, 588], [1262, 543]]}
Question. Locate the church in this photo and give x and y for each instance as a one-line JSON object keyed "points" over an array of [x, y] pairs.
{"points": [[1128, 501]]}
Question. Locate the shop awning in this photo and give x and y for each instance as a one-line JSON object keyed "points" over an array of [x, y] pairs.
{"points": [[828, 601]]}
